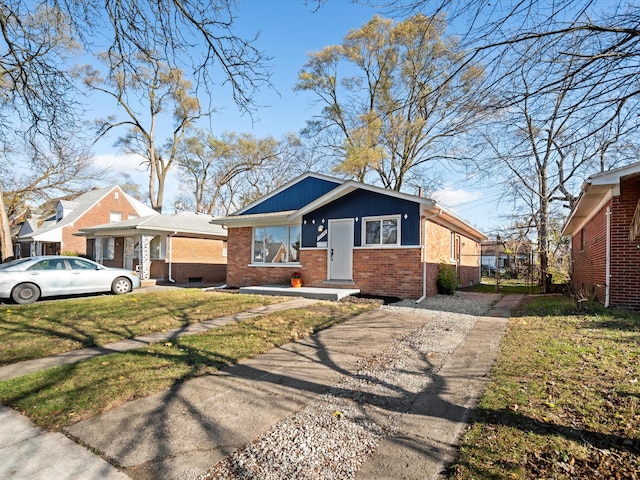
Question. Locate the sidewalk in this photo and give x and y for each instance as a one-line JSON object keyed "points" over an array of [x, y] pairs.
{"points": [[184, 430]]}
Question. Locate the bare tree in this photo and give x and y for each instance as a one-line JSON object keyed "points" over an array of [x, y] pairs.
{"points": [[157, 88], [393, 97], [39, 96], [64, 170], [544, 144], [225, 172], [194, 36]]}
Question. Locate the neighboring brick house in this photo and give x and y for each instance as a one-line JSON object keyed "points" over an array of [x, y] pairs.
{"points": [[178, 248], [56, 234], [605, 228], [348, 234]]}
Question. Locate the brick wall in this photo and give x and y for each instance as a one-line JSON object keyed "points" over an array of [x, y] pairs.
{"points": [[588, 264], [625, 255], [96, 215], [466, 254], [198, 259], [393, 272]]}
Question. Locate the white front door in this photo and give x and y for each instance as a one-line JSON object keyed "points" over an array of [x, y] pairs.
{"points": [[340, 250]]}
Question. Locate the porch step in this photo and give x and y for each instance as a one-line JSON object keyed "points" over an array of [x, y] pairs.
{"points": [[316, 293], [148, 283]]}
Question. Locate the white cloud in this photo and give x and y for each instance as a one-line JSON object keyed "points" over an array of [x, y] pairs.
{"points": [[121, 162], [450, 197]]}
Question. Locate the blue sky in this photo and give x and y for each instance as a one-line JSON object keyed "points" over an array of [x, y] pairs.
{"points": [[288, 30]]}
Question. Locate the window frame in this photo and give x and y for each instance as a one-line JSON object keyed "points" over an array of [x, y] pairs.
{"points": [[288, 242], [381, 219]]}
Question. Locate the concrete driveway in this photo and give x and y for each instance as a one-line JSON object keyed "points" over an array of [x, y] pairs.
{"points": [[181, 432]]}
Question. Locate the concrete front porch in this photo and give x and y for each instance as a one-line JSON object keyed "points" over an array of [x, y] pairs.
{"points": [[316, 293]]}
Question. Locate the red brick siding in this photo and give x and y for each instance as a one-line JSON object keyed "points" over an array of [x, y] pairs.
{"points": [[625, 255], [393, 272], [588, 265], [96, 215], [439, 251], [195, 258]]}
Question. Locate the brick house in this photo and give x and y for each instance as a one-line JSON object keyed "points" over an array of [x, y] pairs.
{"points": [[604, 225], [349, 234], [178, 248], [55, 235]]}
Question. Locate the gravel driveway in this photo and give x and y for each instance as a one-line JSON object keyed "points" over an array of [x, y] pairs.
{"points": [[339, 431]]}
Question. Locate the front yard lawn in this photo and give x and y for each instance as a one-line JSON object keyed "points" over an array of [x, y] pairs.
{"points": [[46, 328], [60, 396], [564, 398]]}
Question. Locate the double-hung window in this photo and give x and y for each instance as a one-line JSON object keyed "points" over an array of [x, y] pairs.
{"points": [[276, 245], [381, 231]]}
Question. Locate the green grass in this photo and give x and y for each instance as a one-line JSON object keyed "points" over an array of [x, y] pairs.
{"points": [[60, 396], [564, 398], [47, 328]]}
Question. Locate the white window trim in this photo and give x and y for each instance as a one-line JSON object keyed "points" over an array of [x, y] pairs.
{"points": [[363, 240], [270, 264]]}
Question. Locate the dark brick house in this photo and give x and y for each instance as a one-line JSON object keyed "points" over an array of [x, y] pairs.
{"points": [[349, 234], [605, 230]]}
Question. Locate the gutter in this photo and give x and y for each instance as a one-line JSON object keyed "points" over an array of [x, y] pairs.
{"points": [[170, 244], [424, 257], [607, 274]]}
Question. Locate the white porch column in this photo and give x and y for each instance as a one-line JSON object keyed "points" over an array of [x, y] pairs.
{"points": [[144, 256]]}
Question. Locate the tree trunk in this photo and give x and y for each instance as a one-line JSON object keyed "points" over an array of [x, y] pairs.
{"points": [[6, 246], [543, 241]]}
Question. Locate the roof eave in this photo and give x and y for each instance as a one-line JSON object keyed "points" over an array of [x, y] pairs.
{"points": [[452, 220]]}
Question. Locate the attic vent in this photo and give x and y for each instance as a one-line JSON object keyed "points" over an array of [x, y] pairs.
{"points": [[117, 195], [634, 229]]}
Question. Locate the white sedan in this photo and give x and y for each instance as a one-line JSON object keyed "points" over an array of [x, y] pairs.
{"points": [[27, 279]]}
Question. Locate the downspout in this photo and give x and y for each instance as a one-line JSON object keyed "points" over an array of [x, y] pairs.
{"points": [[171, 280], [424, 257], [607, 273]]}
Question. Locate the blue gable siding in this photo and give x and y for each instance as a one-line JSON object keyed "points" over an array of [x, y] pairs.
{"points": [[295, 197], [363, 203]]}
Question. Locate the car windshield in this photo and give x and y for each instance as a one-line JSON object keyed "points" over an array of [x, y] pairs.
{"points": [[13, 263]]}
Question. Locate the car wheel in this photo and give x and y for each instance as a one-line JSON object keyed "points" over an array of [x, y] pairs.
{"points": [[121, 285], [25, 293]]}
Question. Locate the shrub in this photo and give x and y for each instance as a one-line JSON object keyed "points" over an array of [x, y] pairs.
{"points": [[447, 279]]}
